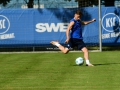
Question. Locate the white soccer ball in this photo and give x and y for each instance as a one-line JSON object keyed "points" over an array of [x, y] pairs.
{"points": [[79, 61]]}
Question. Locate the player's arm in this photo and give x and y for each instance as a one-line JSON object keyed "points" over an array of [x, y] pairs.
{"points": [[87, 22], [68, 31]]}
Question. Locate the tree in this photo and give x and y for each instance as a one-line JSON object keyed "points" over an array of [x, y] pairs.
{"points": [[4, 2], [86, 3], [30, 3], [109, 3]]}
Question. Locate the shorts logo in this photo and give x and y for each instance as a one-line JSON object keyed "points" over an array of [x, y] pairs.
{"points": [[110, 22], [4, 24]]}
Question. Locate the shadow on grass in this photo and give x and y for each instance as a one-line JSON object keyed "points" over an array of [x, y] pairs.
{"points": [[99, 64], [79, 65], [105, 64]]}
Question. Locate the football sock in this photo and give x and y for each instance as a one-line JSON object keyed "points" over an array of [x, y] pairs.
{"points": [[57, 44], [87, 61]]}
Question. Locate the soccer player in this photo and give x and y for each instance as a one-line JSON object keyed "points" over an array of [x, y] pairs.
{"points": [[74, 38]]}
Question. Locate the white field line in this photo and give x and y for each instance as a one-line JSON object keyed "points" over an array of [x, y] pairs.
{"points": [[44, 52]]}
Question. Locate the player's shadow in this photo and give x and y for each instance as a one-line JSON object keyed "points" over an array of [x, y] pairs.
{"points": [[99, 64], [105, 64]]}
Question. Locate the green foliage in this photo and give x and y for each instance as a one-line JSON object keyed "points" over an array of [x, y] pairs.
{"points": [[4, 2], [67, 0], [92, 2], [109, 2], [95, 2]]}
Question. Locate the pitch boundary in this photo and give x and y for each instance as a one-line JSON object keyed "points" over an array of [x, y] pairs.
{"points": [[45, 52]]}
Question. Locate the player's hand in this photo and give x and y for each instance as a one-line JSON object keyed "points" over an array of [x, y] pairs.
{"points": [[67, 40], [94, 20]]}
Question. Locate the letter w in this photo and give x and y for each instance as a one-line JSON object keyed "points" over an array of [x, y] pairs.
{"points": [[52, 27]]}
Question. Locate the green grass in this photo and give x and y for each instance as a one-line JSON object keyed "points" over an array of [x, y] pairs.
{"points": [[57, 71]]}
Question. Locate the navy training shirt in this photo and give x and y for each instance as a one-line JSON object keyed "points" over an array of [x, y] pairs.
{"points": [[76, 29]]}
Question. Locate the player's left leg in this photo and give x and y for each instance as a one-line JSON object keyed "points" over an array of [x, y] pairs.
{"points": [[86, 56], [62, 48], [82, 46]]}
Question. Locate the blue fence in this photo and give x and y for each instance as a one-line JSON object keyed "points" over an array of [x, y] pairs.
{"points": [[40, 26]]}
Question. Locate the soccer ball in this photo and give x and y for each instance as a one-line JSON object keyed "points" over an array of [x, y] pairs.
{"points": [[79, 61]]}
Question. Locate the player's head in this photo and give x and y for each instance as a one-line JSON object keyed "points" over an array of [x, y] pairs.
{"points": [[78, 14]]}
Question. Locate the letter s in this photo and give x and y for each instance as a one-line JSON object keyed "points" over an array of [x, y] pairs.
{"points": [[40, 27]]}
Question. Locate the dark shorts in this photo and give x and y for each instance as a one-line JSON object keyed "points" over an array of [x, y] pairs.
{"points": [[76, 43]]}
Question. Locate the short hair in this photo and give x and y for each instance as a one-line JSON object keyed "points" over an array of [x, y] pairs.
{"points": [[78, 12]]}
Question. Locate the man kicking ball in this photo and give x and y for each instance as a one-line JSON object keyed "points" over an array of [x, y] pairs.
{"points": [[75, 37]]}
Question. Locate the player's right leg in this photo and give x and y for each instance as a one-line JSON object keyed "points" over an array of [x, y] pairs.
{"points": [[62, 48]]}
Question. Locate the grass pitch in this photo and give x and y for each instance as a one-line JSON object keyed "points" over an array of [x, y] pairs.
{"points": [[57, 71]]}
